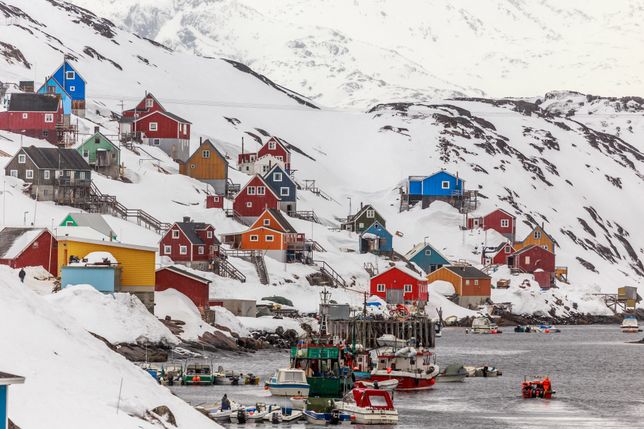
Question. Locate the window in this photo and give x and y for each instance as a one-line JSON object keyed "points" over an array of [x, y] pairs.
{"points": [[22, 158], [267, 222], [153, 126], [209, 234], [200, 250], [505, 223], [280, 158], [261, 190], [284, 192], [13, 173], [82, 175], [167, 249], [46, 174], [270, 238], [428, 252], [49, 117], [476, 282], [183, 250], [467, 282], [29, 174], [149, 102], [444, 184], [97, 140], [251, 190], [277, 177], [537, 235], [408, 288], [71, 75], [271, 144], [527, 259], [249, 204], [69, 223], [361, 225], [85, 153], [545, 246], [45, 133], [380, 287], [254, 238], [206, 154], [371, 214], [193, 166], [508, 249], [156, 141], [72, 88], [252, 158], [175, 233], [25, 116]]}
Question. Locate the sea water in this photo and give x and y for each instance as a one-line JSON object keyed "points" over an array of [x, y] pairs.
{"points": [[598, 378]]}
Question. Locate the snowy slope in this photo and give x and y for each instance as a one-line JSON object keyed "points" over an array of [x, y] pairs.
{"points": [[362, 52]]}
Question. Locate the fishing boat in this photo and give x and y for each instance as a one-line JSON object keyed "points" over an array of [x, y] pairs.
{"points": [[369, 407], [288, 382], [482, 371], [630, 325], [410, 366], [539, 388], [284, 415], [484, 325], [388, 385], [223, 377], [452, 374], [197, 374], [335, 417], [325, 369]]}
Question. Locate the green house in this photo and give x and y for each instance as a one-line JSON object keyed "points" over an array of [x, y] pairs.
{"points": [[362, 220], [101, 154]]}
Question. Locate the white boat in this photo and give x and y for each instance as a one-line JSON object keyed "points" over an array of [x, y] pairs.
{"points": [[412, 368], [388, 385], [389, 340], [484, 325], [451, 374], [336, 417], [630, 325], [482, 371], [369, 407], [252, 414], [283, 415], [215, 412], [299, 402], [288, 382]]}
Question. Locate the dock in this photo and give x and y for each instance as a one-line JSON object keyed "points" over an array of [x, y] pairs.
{"points": [[366, 331]]}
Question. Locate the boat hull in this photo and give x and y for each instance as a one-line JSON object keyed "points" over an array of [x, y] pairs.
{"points": [[288, 389], [374, 417], [450, 378], [407, 383]]}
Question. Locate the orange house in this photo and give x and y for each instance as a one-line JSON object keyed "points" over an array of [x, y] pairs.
{"points": [[208, 165], [472, 285], [272, 234], [537, 237]]}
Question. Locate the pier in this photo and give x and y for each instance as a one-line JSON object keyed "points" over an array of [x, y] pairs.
{"points": [[367, 331]]}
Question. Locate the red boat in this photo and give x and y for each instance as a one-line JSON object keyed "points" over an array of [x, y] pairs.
{"points": [[537, 389], [410, 366]]}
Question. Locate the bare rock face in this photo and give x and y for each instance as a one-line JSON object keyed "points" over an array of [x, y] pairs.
{"points": [[164, 412], [219, 340], [12, 425]]}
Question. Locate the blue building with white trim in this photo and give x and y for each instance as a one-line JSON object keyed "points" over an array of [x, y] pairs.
{"points": [[427, 257], [376, 239], [51, 86], [74, 84], [5, 381], [440, 186]]}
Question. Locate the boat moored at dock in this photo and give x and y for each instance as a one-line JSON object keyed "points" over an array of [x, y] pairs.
{"points": [[288, 382]]}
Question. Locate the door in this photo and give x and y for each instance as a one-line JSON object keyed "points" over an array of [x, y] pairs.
{"points": [[394, 296], [475, 222]]}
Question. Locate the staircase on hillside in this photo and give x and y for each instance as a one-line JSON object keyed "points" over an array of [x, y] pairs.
{"points": [[327, 276], [309, 185], [315, 246], [370, 268], [233, 214], [108, 204], [223, 268], [308, 215], [253, 256]]}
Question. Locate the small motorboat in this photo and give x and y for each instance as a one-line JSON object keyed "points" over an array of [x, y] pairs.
{"points": [[288, 382], [522, 329], [451, 374], [216, 413], [369, 407], [299, 402], [387, 385], [539, 388], [546, 329], [249, 379], [252, 414], [630, 325], [335, 417], [482, 371], [283, 415], [484, 325]]}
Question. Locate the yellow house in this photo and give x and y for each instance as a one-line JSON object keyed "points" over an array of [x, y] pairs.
{"points": [[137, 263], [538, 237]]}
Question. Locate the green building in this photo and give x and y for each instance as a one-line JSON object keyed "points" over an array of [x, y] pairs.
{"points": [[101, 154]]}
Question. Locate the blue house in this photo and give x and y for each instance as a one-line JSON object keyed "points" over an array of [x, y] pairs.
{"points": [[426, 257], [439, 184], [98, 269], [283, 186], [51, 86], [5, 381], [74, 84], [376, 239]]}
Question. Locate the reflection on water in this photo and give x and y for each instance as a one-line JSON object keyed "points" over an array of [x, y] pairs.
{"points": [[599, 380]]}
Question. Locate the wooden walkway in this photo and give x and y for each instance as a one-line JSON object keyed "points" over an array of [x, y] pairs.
{"points": [[368, 330]]}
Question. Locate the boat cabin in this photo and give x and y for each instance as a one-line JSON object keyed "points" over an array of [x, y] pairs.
{"points": [[324, 367], [407, 359], [371, 398]]}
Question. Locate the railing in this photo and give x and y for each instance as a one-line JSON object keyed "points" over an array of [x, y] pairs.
{"points": [[335, 277], [370, 268], [71, 181], [233, 214], [260, 266], [225, 269], [308, 215], [315, 246]]}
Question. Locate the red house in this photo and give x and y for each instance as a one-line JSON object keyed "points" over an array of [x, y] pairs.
{"points": [[33, 115], [254, 198], [193, 286], [215, 201], [499, 220], [532, 258], [150, 123], [193, 244], [499, 255], [29, 247], [274, 146], [399, 285]]}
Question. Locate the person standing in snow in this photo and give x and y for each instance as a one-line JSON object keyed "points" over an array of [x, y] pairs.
{"points": [[22, 274]]}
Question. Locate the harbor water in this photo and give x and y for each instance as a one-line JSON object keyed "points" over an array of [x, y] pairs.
{"points": [[598, 378]]}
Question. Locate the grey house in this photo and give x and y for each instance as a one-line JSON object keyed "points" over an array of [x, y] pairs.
{"points": [[53, 174], [362, 220]]}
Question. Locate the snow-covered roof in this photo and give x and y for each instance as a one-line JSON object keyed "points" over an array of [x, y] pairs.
{"points": [[421, 246], [95, 221], [403, 269], [108, 243], [13, 241]]}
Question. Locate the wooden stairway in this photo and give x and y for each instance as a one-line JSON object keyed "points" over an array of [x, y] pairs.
{"points": [[333, 277], [253, 256], [224, 268]]}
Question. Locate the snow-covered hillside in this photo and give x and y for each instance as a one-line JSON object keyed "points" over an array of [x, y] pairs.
{"points": [[363, 52]]}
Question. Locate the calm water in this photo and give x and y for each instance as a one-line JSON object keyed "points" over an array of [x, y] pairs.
{"points": [[598, 379]]}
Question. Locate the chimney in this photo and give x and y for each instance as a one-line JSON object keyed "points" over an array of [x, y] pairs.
{"points": [[360, 205], [186, 219], [200, 140], [96, 129], [242, 145]]}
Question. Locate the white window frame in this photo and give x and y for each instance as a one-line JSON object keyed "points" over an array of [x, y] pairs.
{"points": [[85, 153], [46, 175], [271, 145], [361, 225], [380, 287], [408, 288], [81, 175], [505, 223], [209, 234], [70, 75], [545, 246], [22, 158], [277, 176], [371, 214], [72, 88], [428, 252], [200, 250], [280, 158], [251, 190], [267, 222], [526, 260], [29, 174], [13, 173], [508, 249], [254, 238], [476, 282], [205, 154], [537, 235], [175, 234], [49, 118], [183, 249], [261, 190], [285, 191], [167, 249], [153, 126], [269, 238], [149, 102], [249, 204], [467, 282], [445, 184]]}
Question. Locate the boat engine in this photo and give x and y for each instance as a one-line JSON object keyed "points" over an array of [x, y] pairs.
{"points": [[241, 415], [335, 417], [275, 418]]}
